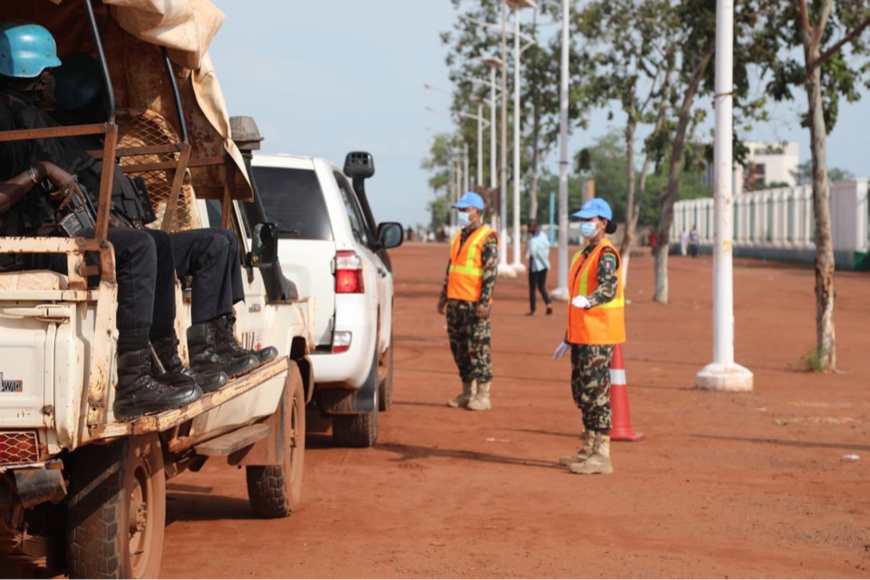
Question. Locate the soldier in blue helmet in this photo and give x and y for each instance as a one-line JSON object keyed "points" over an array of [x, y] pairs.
{"points": [[596, 323], [466, 297]]}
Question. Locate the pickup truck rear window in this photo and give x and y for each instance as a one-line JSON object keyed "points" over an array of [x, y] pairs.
{"points": [[294, 200]]}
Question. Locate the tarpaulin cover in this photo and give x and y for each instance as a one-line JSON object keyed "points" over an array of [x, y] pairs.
{"points": [[132, 32]]}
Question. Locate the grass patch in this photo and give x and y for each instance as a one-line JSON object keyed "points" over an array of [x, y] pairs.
{"points": [[811, 362]]}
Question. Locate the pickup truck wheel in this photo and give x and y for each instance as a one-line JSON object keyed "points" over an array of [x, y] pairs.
{"points": [[116, 510], [385, 390], [275, 490]]}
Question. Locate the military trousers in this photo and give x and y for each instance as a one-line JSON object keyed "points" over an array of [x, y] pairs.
{"points": [[470, 341], [590, 384]]}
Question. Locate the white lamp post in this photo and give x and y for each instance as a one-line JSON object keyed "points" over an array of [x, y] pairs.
{"points": [[723, 374], [561, 291], [517, 5]]}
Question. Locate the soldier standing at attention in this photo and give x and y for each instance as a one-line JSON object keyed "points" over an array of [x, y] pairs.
{"points": [[467, 297], [596, 323]]}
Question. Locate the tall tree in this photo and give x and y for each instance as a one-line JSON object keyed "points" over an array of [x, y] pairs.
{"points": [[834, 44], [438, 162], [634, 52]]}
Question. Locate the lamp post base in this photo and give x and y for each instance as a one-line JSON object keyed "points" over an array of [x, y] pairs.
{"points": [[505, 271], [560, 294], [519, 267], [724, 377]]}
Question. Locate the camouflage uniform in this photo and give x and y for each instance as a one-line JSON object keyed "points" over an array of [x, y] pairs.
{"points": [[470, 336], [590, 363]]}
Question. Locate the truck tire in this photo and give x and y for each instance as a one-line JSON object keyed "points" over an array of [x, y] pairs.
{"points": [[116, 509], [275, 490], [385, 389]]}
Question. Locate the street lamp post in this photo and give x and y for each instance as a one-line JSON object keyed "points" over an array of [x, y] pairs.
{"points": [[723, 374], [561, 292], [517, 5]]}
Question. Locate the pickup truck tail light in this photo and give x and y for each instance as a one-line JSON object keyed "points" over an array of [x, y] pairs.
{"points": [[348, 273], [18, 448]]}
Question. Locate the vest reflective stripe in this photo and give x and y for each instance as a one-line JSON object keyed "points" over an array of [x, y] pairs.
{"points": [[604, 324], [465, 278]]}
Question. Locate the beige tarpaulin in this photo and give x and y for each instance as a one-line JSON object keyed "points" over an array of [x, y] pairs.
{"points": [[132, 31]]}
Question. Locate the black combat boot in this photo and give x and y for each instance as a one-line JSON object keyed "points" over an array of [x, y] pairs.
{"points": [[225, 340], [139, 393], [204, 357], [178, 375]]}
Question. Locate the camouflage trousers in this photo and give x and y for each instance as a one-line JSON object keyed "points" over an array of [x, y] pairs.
{"points": [[590, 384], [470, 341]]}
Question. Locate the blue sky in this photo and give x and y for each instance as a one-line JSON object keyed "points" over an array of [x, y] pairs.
{"points": [[324, 77]]}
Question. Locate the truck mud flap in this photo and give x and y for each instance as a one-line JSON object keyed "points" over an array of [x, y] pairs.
{"points": [[348, 402], [41, 485]]}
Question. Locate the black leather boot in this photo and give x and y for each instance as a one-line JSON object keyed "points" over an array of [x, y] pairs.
{"points": [[178, 375], [139, 393], [225, 340], [204, 357]]}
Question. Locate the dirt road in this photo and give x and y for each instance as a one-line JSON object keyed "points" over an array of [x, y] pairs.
{"points": [[724, 485]]}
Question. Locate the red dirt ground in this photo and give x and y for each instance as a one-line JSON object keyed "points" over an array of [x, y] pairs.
{"points": [[724, 485]]}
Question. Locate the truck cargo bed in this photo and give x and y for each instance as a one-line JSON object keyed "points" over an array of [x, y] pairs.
{"points": [[169, 419]]}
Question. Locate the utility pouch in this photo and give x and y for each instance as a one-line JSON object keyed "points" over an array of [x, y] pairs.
{"points": [[130, 199]]}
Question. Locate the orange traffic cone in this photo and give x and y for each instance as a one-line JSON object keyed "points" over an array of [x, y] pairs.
{"points": [[621, 430]]}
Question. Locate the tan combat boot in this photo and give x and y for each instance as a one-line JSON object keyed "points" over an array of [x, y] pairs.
{"points": [[599, 461], [481, 401], [469, 391], [584, 453]]}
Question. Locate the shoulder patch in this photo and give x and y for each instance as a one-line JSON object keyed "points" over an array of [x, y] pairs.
{"points": [[608, 259]]}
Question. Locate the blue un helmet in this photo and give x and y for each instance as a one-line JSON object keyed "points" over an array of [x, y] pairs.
{"points": [[26, 50]]}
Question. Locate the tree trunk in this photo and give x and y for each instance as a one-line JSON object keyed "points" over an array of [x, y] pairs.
{"points": [[625, 247], [533, 190], [824, 262], [675, 170]]}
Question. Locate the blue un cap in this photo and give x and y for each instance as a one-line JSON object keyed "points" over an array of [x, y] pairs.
{"points": [[470, 199], [595, 207]]}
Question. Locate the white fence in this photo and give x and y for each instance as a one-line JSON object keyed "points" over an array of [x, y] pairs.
{"points": [[782, 219]]}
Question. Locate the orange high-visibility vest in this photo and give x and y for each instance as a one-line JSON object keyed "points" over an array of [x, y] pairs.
{"points": [[466, 265], [602, 324]]}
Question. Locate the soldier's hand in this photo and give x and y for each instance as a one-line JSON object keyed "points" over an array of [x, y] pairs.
{"points": [[482, 311], [442, 305], [65, 185], [561, 350]]}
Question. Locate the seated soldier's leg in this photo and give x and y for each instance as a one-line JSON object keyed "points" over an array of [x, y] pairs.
{"points": [[217, 286], [205, 255], [163, 335], [227, 322], [138, 392]]}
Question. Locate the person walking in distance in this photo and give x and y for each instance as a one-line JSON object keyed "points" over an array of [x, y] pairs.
{"points": [[539, 263], [684, 242], [467, 298], [596, 323], [694, 241]]}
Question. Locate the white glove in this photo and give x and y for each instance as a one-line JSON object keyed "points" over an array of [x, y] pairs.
{"points": [[581, 302], [561, 350]]}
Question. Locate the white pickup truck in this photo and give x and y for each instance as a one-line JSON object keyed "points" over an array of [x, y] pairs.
{"points": [[80, 492]]}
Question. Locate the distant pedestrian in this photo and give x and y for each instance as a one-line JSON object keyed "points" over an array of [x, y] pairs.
{"points": [[654, 242], [684, 242], [596, 323], [538, 253], [466, 298], [694, 241]]}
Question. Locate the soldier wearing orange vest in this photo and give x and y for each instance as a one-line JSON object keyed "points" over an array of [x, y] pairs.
{"points": [[466, 298], [596, 322]]}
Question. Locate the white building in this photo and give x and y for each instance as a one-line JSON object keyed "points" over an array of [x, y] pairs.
{"points": [[766, 164]]}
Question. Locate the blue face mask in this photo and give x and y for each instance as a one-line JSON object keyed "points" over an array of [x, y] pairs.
{"points": [[588, 229], [463, 219]]}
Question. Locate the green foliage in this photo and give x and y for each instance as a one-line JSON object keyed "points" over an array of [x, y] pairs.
{"points": [[607, 168], [811, 362], [437, 162]]}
